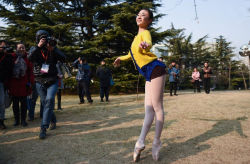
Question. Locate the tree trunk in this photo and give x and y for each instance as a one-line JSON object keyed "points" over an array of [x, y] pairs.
{"points": [[245, 84], [249, 71], [229, 76]]}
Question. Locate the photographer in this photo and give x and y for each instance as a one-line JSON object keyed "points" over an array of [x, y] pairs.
{"points": [[6, 66], [83, 78], [44, 57]]}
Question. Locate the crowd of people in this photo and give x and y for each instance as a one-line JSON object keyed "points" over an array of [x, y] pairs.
{"points": [[27, 75], [197, 78]]}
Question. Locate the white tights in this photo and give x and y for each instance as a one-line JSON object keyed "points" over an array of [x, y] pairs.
{"points": [[154, 91]]}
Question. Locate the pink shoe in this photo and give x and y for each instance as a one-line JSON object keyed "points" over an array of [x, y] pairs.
{"points": [[156, 151], [137, 153]]}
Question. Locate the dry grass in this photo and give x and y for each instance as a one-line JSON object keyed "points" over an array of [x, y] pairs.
{"points": [[199, 128]]}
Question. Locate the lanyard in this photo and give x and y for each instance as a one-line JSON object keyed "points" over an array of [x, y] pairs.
{"points": [[136, 66], [143, 72], [45, 56]]}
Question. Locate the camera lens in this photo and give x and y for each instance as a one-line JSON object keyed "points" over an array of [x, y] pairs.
{"points": [[52, 41]]}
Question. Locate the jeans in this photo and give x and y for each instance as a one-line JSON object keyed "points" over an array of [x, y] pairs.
{"points": [[32, 103], [47, 96], [104, 91], [83, 88], [2, 104]]}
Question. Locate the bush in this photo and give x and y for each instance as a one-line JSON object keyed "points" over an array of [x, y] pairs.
{"points": [[70, 85]]}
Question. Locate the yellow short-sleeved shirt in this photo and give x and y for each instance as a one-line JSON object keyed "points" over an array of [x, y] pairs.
{"points": [[141, 56]]}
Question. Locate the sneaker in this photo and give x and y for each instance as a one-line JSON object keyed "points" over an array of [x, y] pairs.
{"points": [[59, 109], [52, 126], [42, 134], [102, 100], [81, 102], [90, 101]]}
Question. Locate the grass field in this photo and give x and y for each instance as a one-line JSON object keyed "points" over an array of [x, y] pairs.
{"points": [[198, 129]]}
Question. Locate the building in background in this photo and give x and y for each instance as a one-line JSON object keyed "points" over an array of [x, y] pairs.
{"points": [[160, 50]]}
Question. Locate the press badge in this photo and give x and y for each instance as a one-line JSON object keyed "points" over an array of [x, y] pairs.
{"points": [[45, 68]]}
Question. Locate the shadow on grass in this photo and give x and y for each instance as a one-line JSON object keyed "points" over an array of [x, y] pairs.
{"points": [[102, 133], [176, 151]]}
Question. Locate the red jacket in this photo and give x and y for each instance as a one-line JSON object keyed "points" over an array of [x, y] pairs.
{"points": [[19, 86]]}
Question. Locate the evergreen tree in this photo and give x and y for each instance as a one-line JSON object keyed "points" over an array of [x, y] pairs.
{"points": [[223, 54], [97, 29], [25, 17]]}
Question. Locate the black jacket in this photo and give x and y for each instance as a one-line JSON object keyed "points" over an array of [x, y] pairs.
{"points": [[206, 74], [39, 56], [104, 74], [6, 66]]}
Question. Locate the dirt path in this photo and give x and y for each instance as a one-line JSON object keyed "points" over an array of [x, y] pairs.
{"points": [[198, 128]]}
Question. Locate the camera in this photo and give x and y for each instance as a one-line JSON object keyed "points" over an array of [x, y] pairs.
{"points": [[50, 40], [7, 49]]}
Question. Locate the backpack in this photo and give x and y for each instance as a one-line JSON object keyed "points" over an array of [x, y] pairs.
{"points": [[63, 70]]}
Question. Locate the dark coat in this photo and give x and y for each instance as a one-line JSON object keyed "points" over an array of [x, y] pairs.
{"points": [[22, 86], [104, 75], [39, 56], [206, 72], [6, 66]]}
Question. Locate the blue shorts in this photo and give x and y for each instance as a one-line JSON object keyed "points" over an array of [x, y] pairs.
{"points": [[147, 70]]}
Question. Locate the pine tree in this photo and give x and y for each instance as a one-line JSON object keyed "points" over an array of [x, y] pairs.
{"points": [[25, 17], [223, 54], [96, 29]]}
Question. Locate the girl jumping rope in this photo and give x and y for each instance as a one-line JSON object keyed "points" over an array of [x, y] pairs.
{"points": [[155, 75]]}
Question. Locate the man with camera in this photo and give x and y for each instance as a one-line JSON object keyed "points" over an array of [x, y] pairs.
{"points": [[44, 57], [6, 66], [83, 78]]}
